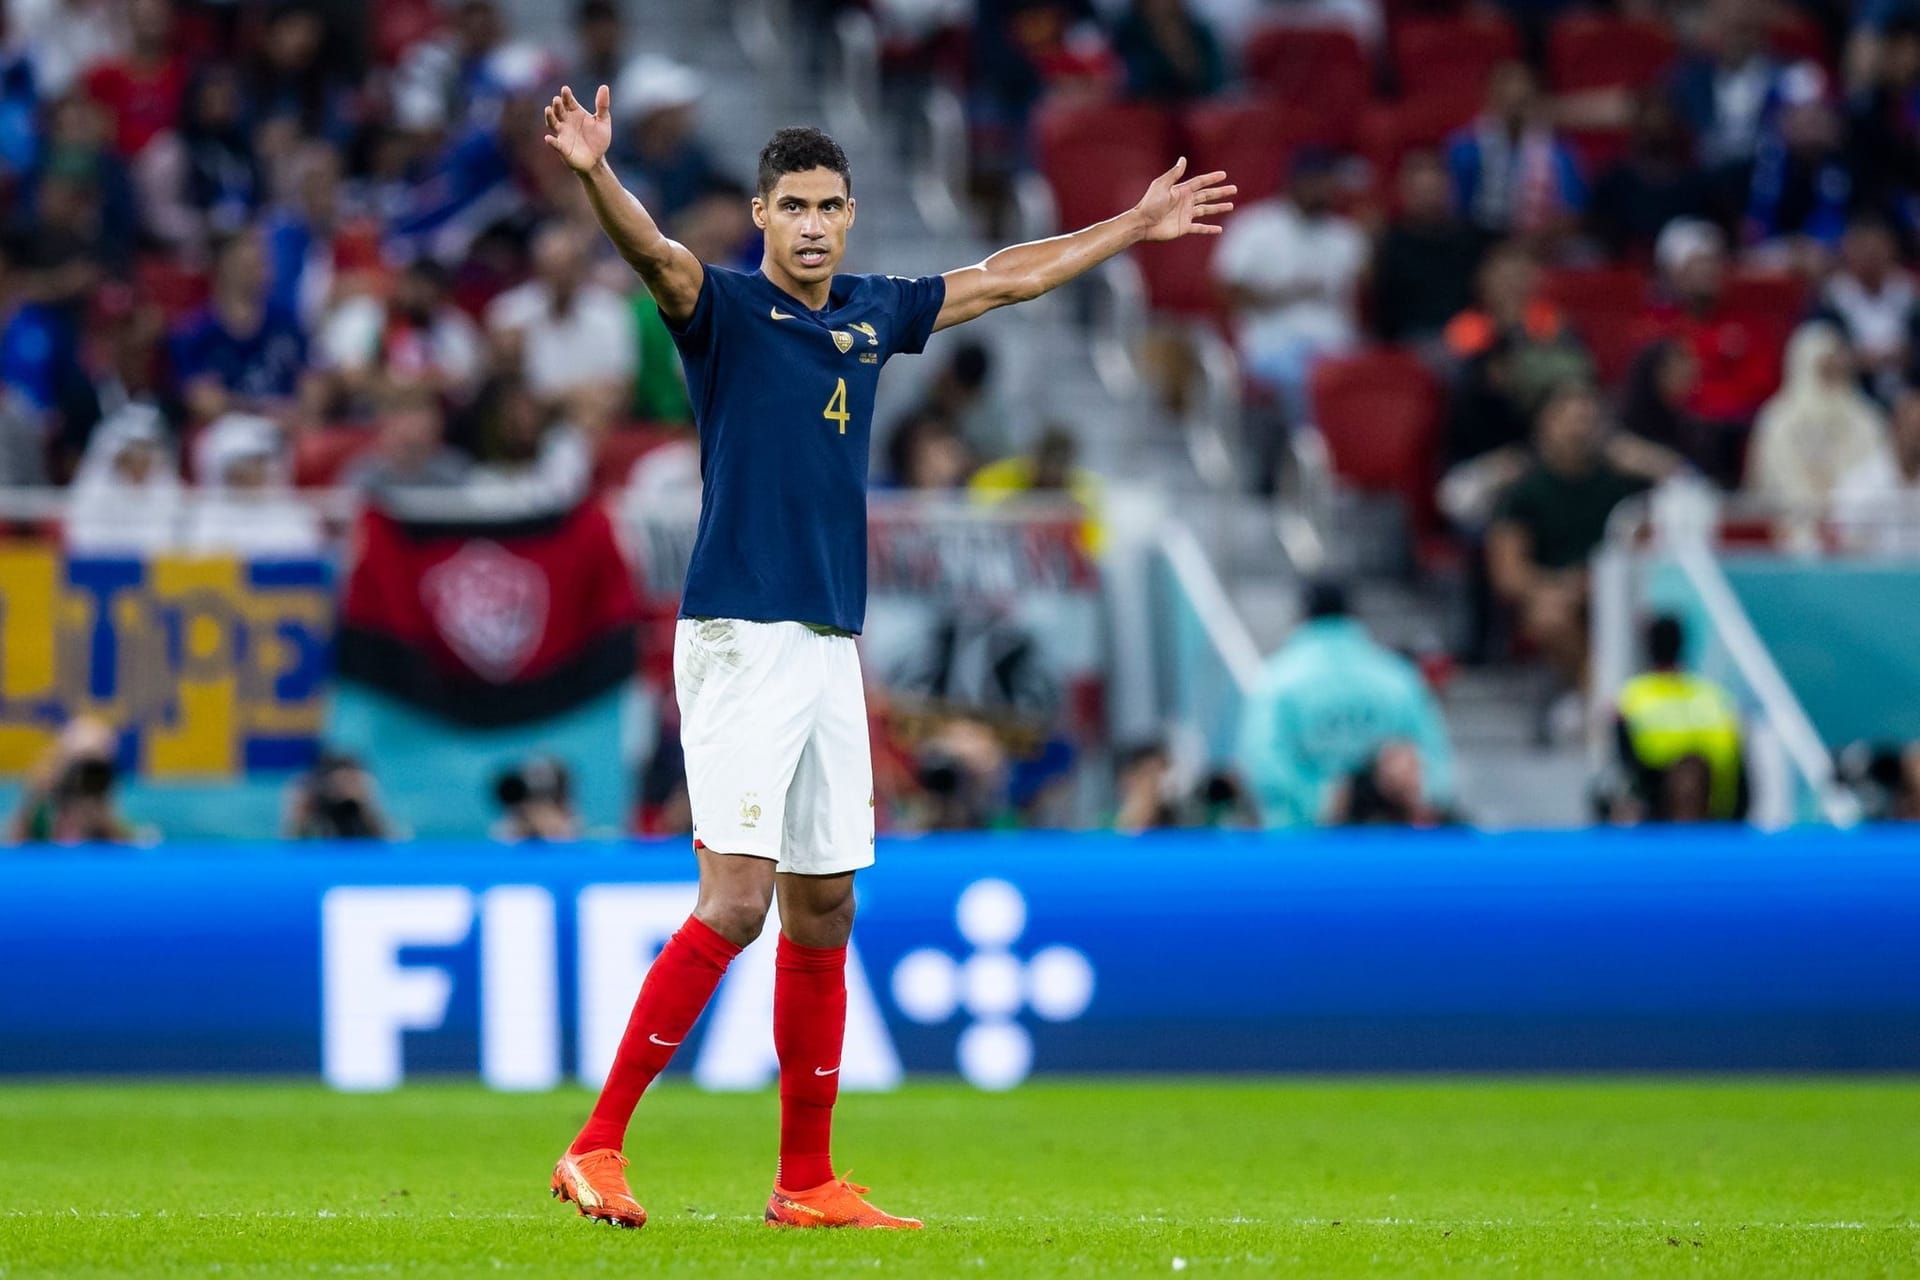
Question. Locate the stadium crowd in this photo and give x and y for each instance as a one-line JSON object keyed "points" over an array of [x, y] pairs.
{"points": [[303, 243]]}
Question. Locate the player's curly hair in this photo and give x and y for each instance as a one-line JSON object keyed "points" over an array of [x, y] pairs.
{"points": [[798, 149]]}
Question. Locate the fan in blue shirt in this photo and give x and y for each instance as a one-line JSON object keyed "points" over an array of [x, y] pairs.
{"points": [[781, 365]]}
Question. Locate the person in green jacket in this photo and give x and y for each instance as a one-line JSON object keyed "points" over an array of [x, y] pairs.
{"points": [[1325, 704]]}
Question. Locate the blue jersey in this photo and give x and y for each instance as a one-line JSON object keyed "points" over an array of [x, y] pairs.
{"points": [[783, 397]]}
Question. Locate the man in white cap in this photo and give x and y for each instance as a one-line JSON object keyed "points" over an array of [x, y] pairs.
{"points": [[655, 101], [1738, 358]]}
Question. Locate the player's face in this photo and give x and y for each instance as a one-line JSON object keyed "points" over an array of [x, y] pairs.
{"points": [[805, 218]]}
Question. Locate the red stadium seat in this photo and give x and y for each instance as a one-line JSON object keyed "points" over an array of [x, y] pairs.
{"points": [[320, 456], [1099, 157], [1321, 69], [175, 289], [618, 449], [1179, 275], [1778, 297], [1606, 51], [1597, 147], [398, 24], [1607, 307], [1254, 141], [1388, 130], [1379, 413], [1451, 53], [1797, 36]]}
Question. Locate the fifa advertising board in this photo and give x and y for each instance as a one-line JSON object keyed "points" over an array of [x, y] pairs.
{"points": [[992, 956]]}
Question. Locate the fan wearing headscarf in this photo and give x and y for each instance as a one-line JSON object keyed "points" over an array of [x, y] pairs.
{"points": [[247, 506], [125, 498], [1814, 431]]}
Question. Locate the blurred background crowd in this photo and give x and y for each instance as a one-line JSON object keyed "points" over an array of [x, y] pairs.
{"points": [[1510, 265]]}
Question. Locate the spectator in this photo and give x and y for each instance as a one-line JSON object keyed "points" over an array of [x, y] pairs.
{"points": [[239, 352], [122, 361], [572, 339], [1659, 388], [295, 79], [1511, 174], [960, 392], [222, 179], [536, 803], [1426, 260], [1679, 740], [125, 498], [245, 506], [1291, 269], [68, 797], [1050, 467], [1738, 357], [926, 455], [141, 92], [1170, 54], [1656, 181], [410, 450], [1144, 783], [1884, 127], [1020, 52], [413, 336], [1801, 192], [304, 238], [1549, 523], [1871, 298], [1388, 791], [336, 800], [529, 458], [1820, 427], [1326, 702], [85, 195], [1722, 89], [599, 45], [65, 39], [1877, 502], [1515, 322], [658, 149]]}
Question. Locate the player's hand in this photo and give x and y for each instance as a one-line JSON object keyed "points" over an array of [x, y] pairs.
{"points": [[1172, 208], [579, 135]]}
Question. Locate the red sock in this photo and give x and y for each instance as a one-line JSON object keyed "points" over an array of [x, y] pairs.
{"points": [[809, 1024], [678, 986]]}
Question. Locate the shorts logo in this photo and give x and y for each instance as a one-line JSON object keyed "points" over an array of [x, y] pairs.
{"points": [[749, 811], [843, 340]]}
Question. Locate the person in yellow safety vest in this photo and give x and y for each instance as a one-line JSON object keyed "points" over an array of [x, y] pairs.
{"points": [[1680, 738]]}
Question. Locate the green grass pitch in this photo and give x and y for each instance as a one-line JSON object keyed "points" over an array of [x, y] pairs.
{"points": [[1297, 1178]]}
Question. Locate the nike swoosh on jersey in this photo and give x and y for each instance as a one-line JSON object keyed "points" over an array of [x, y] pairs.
{"points": [[778, 314], [824, 1071], [666, 1044]]}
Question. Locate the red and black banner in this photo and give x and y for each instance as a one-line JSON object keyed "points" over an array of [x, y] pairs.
{"points": [[489, 624]]}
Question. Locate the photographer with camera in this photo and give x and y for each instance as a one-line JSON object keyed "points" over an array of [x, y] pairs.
{"points": [[335, 800], [536, 800], [69, 795]]}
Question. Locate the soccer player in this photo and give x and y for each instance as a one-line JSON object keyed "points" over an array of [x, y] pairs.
{"points": [[782, 364]]}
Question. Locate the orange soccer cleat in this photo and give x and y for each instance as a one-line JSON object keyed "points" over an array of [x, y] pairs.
{"points": [[831, 1204], [594, 1182]]}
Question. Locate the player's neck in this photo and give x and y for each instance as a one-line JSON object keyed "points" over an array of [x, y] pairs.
{"points": [[812, 296]]}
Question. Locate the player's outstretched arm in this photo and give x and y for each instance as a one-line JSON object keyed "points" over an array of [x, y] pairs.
{"points": [[1170, 209], [671, 272]]}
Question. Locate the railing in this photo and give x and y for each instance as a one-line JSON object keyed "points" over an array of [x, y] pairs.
{"points": [[1682, 552]]}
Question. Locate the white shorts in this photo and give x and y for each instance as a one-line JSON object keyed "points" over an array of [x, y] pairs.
{"points": [[773, 721]]}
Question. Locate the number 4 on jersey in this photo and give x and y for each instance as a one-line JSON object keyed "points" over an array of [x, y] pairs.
{"points": [[836, 410]]}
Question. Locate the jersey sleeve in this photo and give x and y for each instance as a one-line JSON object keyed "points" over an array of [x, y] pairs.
{"points": [[915, 303], [696, 335]]}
